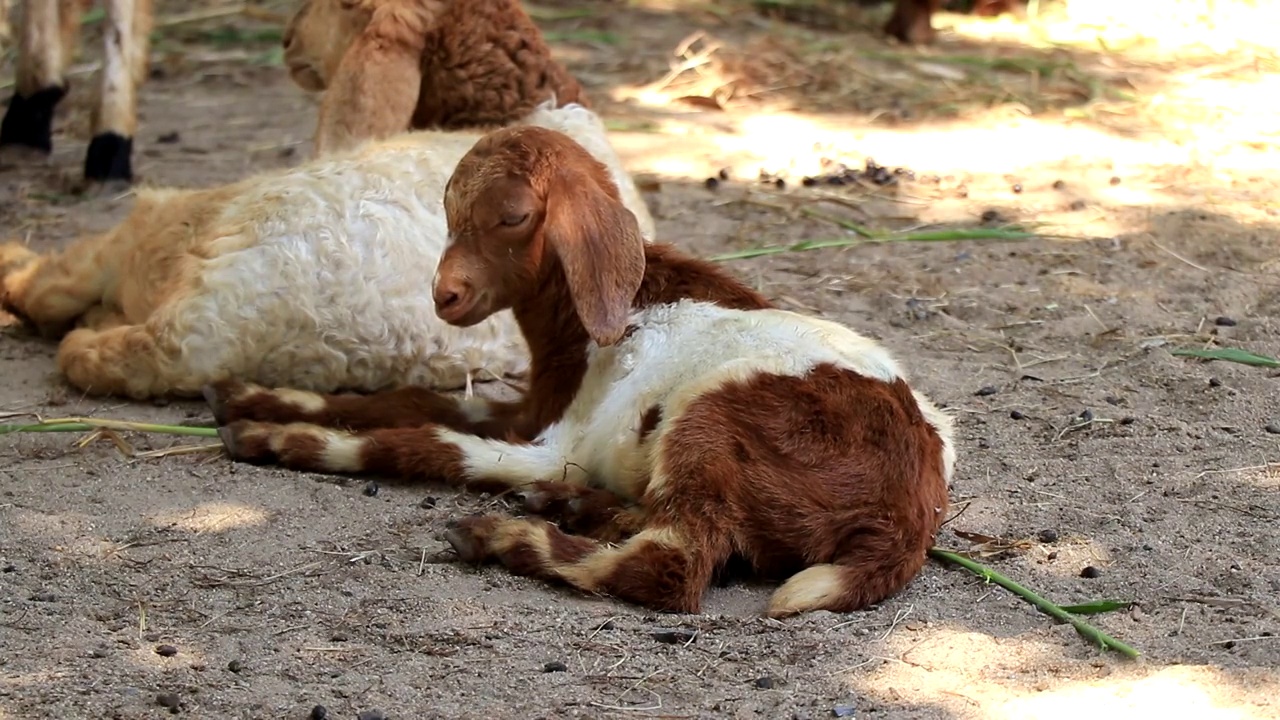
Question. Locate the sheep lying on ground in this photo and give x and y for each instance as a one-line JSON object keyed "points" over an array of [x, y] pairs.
{"points": [[670, 409], [387, 66], [49, 34], [314, 277]]}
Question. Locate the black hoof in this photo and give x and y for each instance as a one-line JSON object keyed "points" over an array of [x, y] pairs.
{"points": [[215, 403], [228, 439], [110, 157], [465, 545], [29, 120]]}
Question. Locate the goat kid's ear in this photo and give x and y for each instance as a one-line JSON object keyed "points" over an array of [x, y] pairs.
{"points": [[600, 247]]}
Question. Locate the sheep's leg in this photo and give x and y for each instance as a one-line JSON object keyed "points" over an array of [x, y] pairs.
{"points": [[51, 291], [125, 360], [50, 34], [409, 407], [658, 568], [593, 512], [428, 453], [124, 68]]}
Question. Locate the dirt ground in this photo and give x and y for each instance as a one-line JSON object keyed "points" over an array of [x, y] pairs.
{"points": [[1084, 442]]}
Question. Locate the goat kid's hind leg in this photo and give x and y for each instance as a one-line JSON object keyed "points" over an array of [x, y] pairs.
{"points": [[48, 40], [124, 68], [657, 568], [232, 400]]}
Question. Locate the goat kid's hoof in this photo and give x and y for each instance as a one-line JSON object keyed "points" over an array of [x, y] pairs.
{"points": [[469, 537], [219, 396], [245, 443]]}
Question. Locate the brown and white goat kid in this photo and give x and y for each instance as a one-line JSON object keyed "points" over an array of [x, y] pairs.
{"points": [[49, 34], [671, 410]]}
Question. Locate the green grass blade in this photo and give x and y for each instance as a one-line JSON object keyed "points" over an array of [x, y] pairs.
{"points": [[1235, 355], [1098, 606], [1085, 629], [90, 424]]}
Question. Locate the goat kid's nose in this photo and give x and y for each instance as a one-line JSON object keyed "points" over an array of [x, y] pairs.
{"points": [[448, 294]]}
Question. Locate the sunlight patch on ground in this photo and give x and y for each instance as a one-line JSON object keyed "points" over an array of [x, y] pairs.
{"points": [[1154, 28], [212, 517], [975, 675]]}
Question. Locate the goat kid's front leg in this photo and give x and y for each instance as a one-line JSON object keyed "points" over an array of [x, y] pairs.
{"points": [[51, 291], [657, 568], [124, 68], [429, 453], [580, 510], [232, 400]]}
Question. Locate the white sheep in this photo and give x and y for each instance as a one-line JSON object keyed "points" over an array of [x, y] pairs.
{"points": [[316, 278]]}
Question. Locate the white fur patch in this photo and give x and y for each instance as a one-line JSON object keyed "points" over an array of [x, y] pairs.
{"points": [[813, 588], [342, 453]]}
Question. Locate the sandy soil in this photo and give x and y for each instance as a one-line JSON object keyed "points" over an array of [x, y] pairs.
{"points": [[1083, 441]]}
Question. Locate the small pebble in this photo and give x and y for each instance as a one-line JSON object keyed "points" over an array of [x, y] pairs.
{"points": [[1128, 420], [843, 711], [371, 715], [1017, 415], [1059, 185], [764, 683], [674, 635], [319, 712], [1090, 572], [339, 637], [1112, 400], [166, 650], [1215, 382], [780, 184], [808, 182], [9, 568], [1017, 187], [168, 138], [1224, 321], [991, 216], [371, 489], [1053, 555], [724, 173], [1273, 428], [1076, 205], [44, 596], [1048, 536], [986, 390], [235, 666], [169, 700], [712, 183], [1115, 180], [554, 666], [1086, 415], [428, 502]]}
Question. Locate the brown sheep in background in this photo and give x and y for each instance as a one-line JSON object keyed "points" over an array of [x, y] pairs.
{"points": [[387, 66]]}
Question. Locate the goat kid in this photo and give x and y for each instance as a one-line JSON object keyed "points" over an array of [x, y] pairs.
{"points": [[386, 66], [309, 277], [49, 36], [670, 410]]}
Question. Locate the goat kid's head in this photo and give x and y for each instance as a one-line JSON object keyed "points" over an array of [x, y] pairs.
{"points": [[526, 203]]}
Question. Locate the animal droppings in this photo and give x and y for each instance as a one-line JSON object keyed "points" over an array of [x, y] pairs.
{"points": [[371, 715], [371, 489], [319, 712], [1047, 536], [1090, 572], [673, 636], [986, 390], [1224, 321], [554, 666], [166, 650]]}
